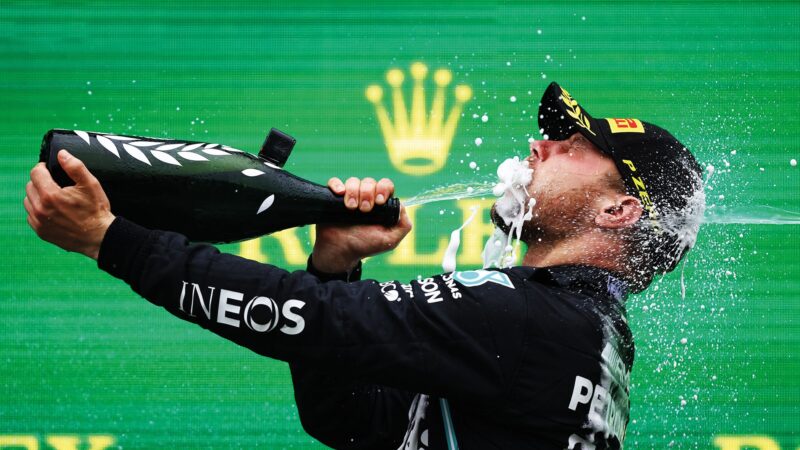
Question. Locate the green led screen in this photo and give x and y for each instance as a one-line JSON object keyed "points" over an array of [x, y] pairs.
{"points": [[86, 363]]}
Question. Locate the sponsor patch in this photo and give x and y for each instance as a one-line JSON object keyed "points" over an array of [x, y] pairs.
{"points": [[451, 284], [644, 196], [474, 278], [389, 291], [625, 125], [430, 288], [232, 309]]}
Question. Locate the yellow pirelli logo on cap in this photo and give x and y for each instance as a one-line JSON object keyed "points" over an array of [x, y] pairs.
{"points": [[644, 196], [625, 125]]}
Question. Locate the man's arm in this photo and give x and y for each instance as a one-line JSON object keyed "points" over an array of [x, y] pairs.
{"points": [[429, 335], [339, 409], [426, 336], [334, 406]]}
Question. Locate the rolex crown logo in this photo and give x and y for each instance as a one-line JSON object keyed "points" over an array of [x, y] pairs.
{"points": [[419, 144]]}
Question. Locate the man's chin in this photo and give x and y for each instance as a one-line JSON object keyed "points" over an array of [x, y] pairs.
{"points": [[498, 221], [530, 228]]}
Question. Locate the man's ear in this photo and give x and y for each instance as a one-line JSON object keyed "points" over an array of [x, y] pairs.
{"points": [[619, 212]]}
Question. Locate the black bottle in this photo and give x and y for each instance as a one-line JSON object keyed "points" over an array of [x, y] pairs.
{"points": [[208, 192]]}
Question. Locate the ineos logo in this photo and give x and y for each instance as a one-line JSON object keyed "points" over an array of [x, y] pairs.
{"points": [[273, 315], [229, 309]]}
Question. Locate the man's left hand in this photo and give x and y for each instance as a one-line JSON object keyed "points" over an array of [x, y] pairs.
{"points": [[338, 247], [74, 218]]}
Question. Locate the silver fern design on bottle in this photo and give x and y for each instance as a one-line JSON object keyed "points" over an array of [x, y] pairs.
{"points": [[208, 192], [136, 148]]}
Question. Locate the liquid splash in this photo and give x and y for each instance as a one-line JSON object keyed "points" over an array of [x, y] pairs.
{"points": [[716, 215], [449, 260], [451, 192], [751, 215], [513, 205]]}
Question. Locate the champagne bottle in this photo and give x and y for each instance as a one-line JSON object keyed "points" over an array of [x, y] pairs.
{"points": [[208, 192]]}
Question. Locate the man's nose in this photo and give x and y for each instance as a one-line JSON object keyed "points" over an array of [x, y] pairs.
{"points": [[542, 150]]}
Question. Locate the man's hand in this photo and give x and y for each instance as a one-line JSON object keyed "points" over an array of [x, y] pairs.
{"points": [[74, 218], [338, 248]]}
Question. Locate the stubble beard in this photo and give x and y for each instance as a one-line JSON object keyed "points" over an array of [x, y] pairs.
{"points": [[556, 217]]}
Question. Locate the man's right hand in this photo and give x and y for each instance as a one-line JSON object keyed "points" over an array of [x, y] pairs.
{"points": [[74, 218], [339, 248]]}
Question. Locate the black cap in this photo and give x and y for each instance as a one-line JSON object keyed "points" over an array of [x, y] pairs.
{"points": [[655, 167]]}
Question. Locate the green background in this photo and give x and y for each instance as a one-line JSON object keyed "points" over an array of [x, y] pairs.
{"points": [[80, 354]]}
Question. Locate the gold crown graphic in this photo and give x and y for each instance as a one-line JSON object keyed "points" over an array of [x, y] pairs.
{"points": [[419, 145]]}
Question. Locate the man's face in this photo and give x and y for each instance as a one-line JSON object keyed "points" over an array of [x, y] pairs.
{"points": [[568, 176]]}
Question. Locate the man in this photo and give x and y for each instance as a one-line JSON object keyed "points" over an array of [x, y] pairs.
{"points": [[530, 357]]}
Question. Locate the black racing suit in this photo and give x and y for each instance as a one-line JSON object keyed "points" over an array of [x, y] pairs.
{"points": [[518, 358]]}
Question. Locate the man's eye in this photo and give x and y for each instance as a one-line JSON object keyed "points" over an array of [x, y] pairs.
{"points": [[580, 143]]}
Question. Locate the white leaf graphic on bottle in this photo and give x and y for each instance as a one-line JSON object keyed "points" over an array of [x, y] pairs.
{"points": [[136, 153], [252, 172], [84, 135], [170, 146], [105, 142], [192, 156], [120, 138], [165, 157], [266, 204], [192, 147], [146, 143], [215, 152], [137, 148], [269, 164]]}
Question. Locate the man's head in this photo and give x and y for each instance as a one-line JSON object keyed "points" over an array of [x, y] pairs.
{"points": [[626, 185]]}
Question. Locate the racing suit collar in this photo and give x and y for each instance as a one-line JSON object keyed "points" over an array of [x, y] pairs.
{"points": [[584, 279]]}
